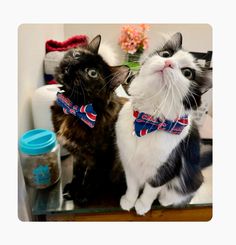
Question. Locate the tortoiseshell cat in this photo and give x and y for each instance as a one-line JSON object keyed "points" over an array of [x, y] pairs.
{"points": [[88, 80]]}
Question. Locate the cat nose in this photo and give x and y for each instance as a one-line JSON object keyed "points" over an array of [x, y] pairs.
{"points": [[168, 63]]}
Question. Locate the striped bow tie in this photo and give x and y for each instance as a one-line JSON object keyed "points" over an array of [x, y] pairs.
{"points": [[85, 112], [144, 124]]}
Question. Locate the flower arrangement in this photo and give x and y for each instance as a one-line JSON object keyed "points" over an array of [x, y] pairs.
{"points": [[133, 40]]}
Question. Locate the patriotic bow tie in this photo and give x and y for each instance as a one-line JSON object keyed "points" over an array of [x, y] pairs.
{"points": [[144, 124], [85, 112]]}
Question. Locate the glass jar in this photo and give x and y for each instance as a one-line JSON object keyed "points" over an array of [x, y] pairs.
{"points": [[40, 158]]}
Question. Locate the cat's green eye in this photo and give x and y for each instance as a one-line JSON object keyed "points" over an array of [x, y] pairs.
{"points": [[188, 73], [91, 73], [165, 53]]}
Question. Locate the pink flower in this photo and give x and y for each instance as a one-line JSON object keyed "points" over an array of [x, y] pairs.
{"points": [[133, 38], [145, 27]]}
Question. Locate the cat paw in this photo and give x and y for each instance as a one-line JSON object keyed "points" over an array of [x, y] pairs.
{"points": [[66, 192], [141, 208], [75, 193], [125, 203]]}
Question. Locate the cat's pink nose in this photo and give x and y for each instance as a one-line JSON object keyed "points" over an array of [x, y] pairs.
{"points": [[168, 63]]}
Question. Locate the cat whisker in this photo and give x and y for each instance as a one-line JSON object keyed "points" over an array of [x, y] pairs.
{"points": [[114, 76], [191, 92], [186, 87], [163, 103], [185, 96], [72, 91], [176, 102], [186, 143], [188, 100], [154, 95], [104, 86], [111, 75], [169, 89], [181, 96], [160, 107], [82, 89], [194, 99], [172, 100]]}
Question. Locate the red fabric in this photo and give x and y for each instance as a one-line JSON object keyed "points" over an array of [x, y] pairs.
{"points": [[80, 40], [135, 114], [52, 82]]}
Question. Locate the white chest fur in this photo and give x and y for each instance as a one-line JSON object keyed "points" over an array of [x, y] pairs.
{"points": [[143, 155]]}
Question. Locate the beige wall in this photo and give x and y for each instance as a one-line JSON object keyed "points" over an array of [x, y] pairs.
{"points": [[31, 51], [109, 32], [197, 37]]}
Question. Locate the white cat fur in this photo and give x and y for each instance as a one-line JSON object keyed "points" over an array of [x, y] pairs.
{"points": [[142, 156]]}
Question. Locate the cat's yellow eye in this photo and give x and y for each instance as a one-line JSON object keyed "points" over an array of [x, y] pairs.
{"points": [[91, 73]]}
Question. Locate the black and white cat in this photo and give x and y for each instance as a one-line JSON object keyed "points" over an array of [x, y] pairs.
{"points": [[159, 143]]}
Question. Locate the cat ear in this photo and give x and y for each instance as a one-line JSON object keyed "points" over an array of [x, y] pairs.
{"points": [[178, 39], [120, 75], [175, 42], [94, 44]]}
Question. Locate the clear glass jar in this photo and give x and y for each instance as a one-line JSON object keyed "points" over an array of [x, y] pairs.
{"points": [[40, 158]]}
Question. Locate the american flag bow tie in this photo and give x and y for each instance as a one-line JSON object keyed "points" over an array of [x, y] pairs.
{"points": [[85, 112], [144, 124]]}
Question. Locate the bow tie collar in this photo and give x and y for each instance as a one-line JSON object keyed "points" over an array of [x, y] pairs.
{"points": [[85, 113], [144, 124]]}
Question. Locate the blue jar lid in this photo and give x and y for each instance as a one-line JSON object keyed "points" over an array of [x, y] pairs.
{"points": [[37, 141]]}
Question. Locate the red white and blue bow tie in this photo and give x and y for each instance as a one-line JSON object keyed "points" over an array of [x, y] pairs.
{"points": [[144, 124], [85, 112]]}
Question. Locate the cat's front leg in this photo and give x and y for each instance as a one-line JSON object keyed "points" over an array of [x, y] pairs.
{"points": [[144, 203], [85, 182], [128, 200]]}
